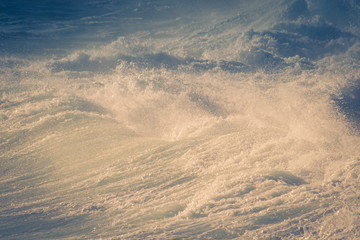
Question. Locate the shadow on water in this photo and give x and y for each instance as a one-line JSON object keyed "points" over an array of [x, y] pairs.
{"points": [[349, 103], [40, 223], [285, 177]]}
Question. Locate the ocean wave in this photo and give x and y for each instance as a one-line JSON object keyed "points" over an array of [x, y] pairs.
{"points": [[179, 120]]}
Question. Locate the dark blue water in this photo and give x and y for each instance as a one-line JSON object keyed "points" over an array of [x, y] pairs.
{"points": [[34, 27]]}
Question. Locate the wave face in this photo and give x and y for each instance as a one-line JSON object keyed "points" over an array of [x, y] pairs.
{"points": [[180, 119]]}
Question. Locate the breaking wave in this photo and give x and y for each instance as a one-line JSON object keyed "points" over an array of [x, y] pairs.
{"points": [[169, 120]]}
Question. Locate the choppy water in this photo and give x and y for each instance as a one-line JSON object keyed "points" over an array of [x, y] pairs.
{"points": [[180, 119]]}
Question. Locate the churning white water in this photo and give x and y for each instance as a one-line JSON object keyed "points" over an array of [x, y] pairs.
{"points": [[180, 120]]}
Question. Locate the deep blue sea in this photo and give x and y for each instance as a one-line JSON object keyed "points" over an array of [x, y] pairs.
{"points": [[164, 119]]}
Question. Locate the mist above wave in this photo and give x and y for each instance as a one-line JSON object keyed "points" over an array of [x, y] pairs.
{"points": [[285, 40]]}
